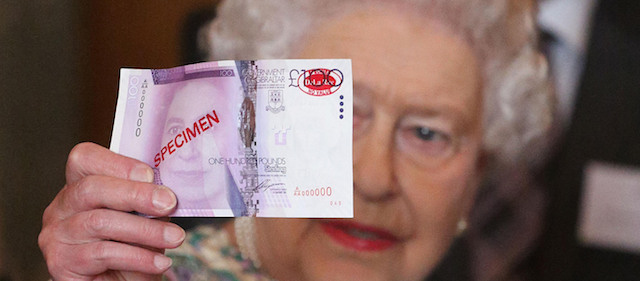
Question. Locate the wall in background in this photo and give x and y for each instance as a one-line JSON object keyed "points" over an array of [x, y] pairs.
{"points": [[39, 120], [140, 34], [59, 64]]}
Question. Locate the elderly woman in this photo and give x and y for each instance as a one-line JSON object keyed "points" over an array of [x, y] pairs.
{"points": [[446, 93]]}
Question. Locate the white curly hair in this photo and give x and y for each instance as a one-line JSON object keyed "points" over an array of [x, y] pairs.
{"points": [[518, 104]]}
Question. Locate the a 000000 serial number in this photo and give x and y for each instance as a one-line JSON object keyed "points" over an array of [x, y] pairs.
{"points": [[132, 93], [319, 191]]}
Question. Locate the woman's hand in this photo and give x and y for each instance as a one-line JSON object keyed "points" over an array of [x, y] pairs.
{"points": [[88, 232]]}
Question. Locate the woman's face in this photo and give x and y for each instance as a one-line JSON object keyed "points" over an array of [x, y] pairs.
{"points": [[187, 170], [417, 145]]}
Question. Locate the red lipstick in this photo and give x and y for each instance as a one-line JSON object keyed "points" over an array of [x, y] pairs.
{"points": [[359, 237]]}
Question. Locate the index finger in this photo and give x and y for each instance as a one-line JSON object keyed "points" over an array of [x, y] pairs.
{"points": [[87, 159]]}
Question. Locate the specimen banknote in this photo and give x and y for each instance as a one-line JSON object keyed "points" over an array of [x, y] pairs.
{"points": [[266, 138]]}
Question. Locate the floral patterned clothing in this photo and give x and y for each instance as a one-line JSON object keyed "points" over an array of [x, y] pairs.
{"points": [[207, 255]]}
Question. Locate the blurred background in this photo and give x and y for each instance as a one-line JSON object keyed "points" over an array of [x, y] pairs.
{"points": [[59, 70]]}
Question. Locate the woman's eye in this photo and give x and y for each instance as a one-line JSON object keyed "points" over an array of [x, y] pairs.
{"points": [[426, 134], [173, 130], [430, 135], [425, 143]]}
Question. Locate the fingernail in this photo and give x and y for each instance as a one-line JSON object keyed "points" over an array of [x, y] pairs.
{"points": [[162, 262], [163, 199], [173, 234], [141, 173]]}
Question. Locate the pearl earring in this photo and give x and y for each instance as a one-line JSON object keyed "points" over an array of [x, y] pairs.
{"points": [[245, 235], [461, 227]]}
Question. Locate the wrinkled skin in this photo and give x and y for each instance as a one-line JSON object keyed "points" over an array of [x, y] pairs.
{"points": [[88, 232]]}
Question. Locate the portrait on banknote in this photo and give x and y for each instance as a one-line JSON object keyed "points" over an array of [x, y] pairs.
{"points": [[199, 125]]}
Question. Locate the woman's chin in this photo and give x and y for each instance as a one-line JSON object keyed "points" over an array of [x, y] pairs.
{"points": [[339, 271], [345, 258]]}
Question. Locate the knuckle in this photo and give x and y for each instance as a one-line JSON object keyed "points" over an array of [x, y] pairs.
{"points": [[83, 260], [96, 223], [141, 259], [98, 251], [150, 229], [139, 193], [49, 242], [43, 240], [47, 216], [54, 258], [53, 266], [53, 212], [76, 154], [84, 187], [83, 191]]}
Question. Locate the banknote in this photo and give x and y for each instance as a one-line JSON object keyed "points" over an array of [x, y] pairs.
{"points": [[266, 138]]}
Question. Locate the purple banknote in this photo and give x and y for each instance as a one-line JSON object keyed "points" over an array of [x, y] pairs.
{"points": [[266, 138]]}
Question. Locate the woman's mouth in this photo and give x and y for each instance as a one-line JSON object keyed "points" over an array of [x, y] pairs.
{"points": [[359, 237], [191, 173], [187, 176]]}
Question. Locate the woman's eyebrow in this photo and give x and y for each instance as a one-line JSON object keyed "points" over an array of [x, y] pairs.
{"points": [[175, 120], [456, 117], [361, 87], [363, 92]]}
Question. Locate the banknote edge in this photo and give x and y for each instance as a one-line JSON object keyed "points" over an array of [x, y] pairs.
{"points": [[118, 121]]}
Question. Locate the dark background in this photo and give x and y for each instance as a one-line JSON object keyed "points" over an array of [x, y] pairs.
{"points": [[59, 70]]}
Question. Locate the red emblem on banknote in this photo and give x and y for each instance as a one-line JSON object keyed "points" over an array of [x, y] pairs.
{"points": [[320, 81]]}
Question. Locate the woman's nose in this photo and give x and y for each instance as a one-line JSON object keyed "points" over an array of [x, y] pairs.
{"points": [[190, 151], [374, 175]]}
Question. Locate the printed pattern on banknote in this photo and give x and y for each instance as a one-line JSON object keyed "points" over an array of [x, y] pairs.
{"points": [[266, 138]]}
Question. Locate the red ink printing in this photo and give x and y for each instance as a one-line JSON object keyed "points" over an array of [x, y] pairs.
{"points": [[320, 81], [189, 133]]}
